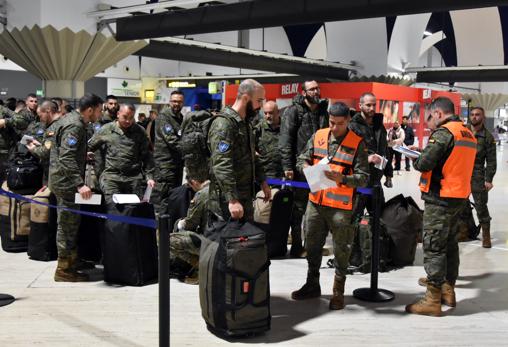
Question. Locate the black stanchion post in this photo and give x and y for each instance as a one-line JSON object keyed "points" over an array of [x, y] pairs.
{"points": [[373, 293], [164, 223]]}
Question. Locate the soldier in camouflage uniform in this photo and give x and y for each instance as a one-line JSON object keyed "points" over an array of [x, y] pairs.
{"points": [[234, 166], [167, 154], [446, 164], [40, 148], [66, 177], [186, 243], [325, 214], [484, 170], [304, 117], [128, 159], [267, 140]]}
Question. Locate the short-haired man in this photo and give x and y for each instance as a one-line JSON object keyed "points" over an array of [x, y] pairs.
{"points": [[409, 138], [233, 164], [331, 210], [267, 141], [66, 177], [446, 164], [300, 121], [167, 153], [485, 166]]}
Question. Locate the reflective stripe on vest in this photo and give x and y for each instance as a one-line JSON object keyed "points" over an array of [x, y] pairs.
{"points": [[340, 197], [458, 168]]}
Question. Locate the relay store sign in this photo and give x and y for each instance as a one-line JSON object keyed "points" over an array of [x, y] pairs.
{"points": [[124, 87], [290, 89]]}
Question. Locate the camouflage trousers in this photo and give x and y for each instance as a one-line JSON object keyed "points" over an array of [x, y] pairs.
{"points": [[121, 185], [185, 245], [481, 198], [440, 245], [160, 195], [320, 220], [68, 226]]}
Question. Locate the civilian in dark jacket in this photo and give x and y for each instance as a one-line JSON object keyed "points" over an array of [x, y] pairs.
{"points": [[409, 140]]}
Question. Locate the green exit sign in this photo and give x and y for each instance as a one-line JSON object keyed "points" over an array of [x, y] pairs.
{"points": [[39, 92]]}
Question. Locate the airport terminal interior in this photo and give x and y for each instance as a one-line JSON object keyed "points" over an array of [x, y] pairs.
{"points": [[97, 96]]}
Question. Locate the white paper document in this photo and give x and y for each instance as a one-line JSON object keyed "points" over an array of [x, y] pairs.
{"points": [[316, 178], [126, 199], [382, 164], [406, 151], [26, 139], [94, 200], [148, 193]]}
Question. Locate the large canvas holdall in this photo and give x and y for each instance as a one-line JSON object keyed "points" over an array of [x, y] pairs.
{"points": [[14, 223], [234, 289], [43, 225]]}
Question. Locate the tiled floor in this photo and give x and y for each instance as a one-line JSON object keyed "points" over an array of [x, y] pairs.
{"points": [[95, 314]]}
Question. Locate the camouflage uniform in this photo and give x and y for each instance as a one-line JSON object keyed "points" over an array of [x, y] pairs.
{"points": [[485, 153], [298, 124], [127, 159], [267, 141], [234, 165], [92, 128], [66, 175], [167, 156], [322, 219], [440, 246], [15, 124], [186, 244], [42, 152]]}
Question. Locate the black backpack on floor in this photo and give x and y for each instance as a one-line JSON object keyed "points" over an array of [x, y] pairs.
{"points": [[234, 288]]}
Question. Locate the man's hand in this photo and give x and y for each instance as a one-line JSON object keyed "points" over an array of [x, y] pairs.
{"points": [[489, 185], [374, 159], [267, 191], [2, 123], [85, 192], [32, 144], [334, 176], [289, 174], [150, 183], [236, 209], [415, 148]]}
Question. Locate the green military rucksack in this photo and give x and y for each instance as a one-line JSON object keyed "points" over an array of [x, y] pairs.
{"points": [[193, 143]]}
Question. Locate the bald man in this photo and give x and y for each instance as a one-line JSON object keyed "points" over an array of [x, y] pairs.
{"points": [[267, 138]]}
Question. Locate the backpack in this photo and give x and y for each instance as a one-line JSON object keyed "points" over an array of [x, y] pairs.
{"points": [[193, 143], [466, 228], [24, 175]]}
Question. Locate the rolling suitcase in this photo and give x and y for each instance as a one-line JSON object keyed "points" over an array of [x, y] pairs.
{"points": [[234, 288], [14, 223], [280, 222], [43, 224], [129, 251], [89, 234]]}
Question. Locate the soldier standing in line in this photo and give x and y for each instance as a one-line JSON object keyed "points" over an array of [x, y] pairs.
{"points": [[66, 177], [267, 140], [128, 159], [485, 166], [331, 210], [234, 166], [446, 164], [300, 121], [167, 154]]}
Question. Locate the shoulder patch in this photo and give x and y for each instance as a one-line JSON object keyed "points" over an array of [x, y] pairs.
{"points": [[48, 144], [40, 131], [168, 128], [432, 141], [223, 147], [97, 127], [72, 141], [50, 133]]}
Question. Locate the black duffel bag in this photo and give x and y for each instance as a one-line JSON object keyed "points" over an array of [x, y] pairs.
{"points": [[24, 175]]}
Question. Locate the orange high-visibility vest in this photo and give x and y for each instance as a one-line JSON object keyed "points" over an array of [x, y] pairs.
{"points": [[458, 168], [340, 197]]}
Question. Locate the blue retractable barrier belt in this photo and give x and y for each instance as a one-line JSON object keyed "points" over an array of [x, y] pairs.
{"points": [[145, 222], [305, 185]]}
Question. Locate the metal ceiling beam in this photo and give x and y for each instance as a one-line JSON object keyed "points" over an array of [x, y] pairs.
{"points": [[270, 13], [214, 54], [461, 74]]}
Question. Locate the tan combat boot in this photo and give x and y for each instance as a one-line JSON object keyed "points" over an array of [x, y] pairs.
{"points": [[311, 289], [486, 235], [430, 305], [337, 299], [65, 273], [193, 276], [448, 294]]}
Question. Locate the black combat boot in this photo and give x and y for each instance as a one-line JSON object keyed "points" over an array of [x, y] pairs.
{"points": [[311, 289]]}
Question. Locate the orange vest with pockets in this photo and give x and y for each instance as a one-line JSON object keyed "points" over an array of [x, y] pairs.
{"points": [[458, 168], [340, 197]]}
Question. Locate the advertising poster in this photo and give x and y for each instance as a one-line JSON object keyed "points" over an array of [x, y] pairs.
{"points": [[412, 111], [390, 110]]}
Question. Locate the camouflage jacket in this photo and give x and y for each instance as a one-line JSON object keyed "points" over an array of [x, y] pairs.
{"points": [[375, 138], [267, 146], [167, 154], [196, 219], [126, 151], [298, 123], [68, 156], [485, 164], [43, 152], [233, 162], [15, 124], [91, 129], [433, 158], [360, 174]]}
